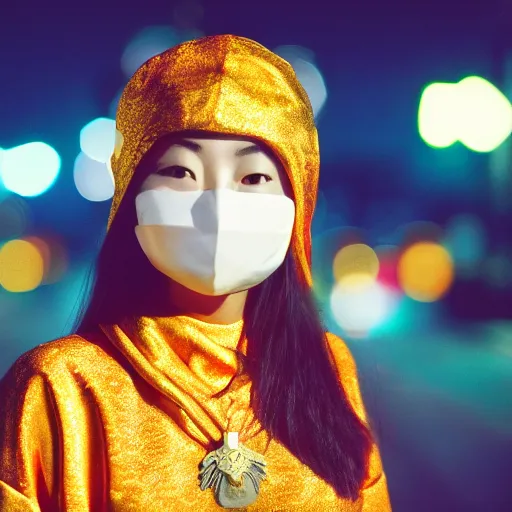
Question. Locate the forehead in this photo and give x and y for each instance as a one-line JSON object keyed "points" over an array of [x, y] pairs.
{"points": [[221, 141], [209, 145], [212, 146]]}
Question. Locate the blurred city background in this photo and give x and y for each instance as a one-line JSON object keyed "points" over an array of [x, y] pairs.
{"points": [[412, 232]]}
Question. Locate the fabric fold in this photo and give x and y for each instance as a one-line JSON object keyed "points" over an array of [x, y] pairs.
{"points": [[194, 365], [152, 459]]}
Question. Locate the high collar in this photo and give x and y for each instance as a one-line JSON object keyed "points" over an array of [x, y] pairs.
{"points": [[194, 365]]}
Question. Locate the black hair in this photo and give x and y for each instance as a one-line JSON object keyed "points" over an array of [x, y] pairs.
{"points": [[297, 396]]}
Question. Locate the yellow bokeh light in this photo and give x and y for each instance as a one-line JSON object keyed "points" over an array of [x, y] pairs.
{"points": [[355, 266], [425, 271], [21, 266]]}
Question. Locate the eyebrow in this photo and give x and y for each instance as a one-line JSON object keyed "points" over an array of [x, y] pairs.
{"points": [[193, 146], [249, 150], [196, 148]]}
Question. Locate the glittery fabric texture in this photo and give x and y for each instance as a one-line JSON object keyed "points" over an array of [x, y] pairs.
{"points": [[119, 419], [229, 85], [93, 425]]}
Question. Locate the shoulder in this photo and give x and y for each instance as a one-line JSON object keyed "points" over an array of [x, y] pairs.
{"points": [[58, 353], [341, 353], [59, 356], [343, 361]]}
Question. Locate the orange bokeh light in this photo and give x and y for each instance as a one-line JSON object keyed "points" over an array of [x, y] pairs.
{"points": [[21, 266], [425, 271]]}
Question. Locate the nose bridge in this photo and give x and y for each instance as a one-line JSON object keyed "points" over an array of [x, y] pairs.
{"points": [[219, 174], [205, 213]]}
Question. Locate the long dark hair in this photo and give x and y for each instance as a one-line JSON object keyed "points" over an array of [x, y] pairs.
{"points": [[296, 393]]}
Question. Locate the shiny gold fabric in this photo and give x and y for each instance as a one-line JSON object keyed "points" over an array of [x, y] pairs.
{"points": [[120, 419], [230, 85], [89, 427]]}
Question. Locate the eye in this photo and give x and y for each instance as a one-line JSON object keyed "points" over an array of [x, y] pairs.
{"points": [[256, 179], [176, 171]]}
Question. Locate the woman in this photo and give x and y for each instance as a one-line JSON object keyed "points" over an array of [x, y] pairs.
{"points": [[200, 376]]}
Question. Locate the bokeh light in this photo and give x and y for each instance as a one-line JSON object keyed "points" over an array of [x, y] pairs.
{"points": [[54, 256], [388, 266], [485, 119], [355, 265], [21, 266], [44, 250], [425, 271], [308, 74], [59, 263], [151, 41], [93, 179], [325, 247], [358, 309], [30, 169], [313, 82], [436, 115], [465, 239], [97, 139], [472, 111], [3, 191]]}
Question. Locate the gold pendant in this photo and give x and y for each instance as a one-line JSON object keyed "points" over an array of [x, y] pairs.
{"points": [[234, 472]]}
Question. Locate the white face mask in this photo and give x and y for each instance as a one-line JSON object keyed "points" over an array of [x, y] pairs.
{"points": [[214, 242]]}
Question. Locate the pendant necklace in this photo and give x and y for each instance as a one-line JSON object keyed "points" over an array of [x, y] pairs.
{"points": [[234, 472]]}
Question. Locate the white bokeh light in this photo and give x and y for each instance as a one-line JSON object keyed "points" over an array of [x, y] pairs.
{"points": [[151, 41], [359, 309], [308, 74], [437, 114], [472, 111], [97, 139], [30, 169], [312, 80], [486, 119], [3, 191], [93, 179]]}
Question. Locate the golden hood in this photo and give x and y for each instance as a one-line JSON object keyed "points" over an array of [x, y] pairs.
{"points": [[229, 85]]}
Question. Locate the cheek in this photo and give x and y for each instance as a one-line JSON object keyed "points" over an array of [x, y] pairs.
{"points": [[281, 189], [148, 184]]}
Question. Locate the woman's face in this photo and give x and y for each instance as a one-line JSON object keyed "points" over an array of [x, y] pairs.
{"points": [[241, 165]]}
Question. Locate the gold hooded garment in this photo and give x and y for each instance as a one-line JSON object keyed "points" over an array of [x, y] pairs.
{"points": [[121, 420]]}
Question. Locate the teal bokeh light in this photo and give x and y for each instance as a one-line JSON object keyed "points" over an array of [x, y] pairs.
{"points": [[30, 169]]}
